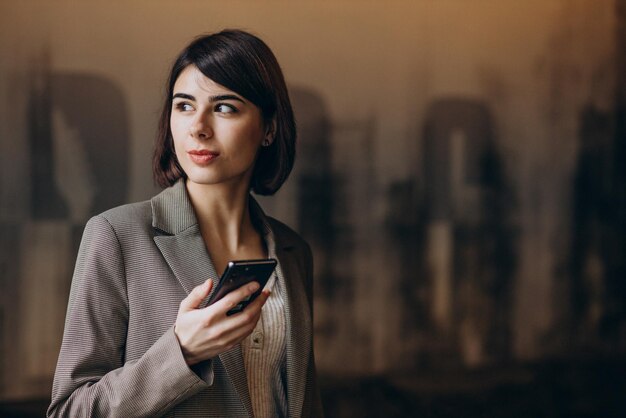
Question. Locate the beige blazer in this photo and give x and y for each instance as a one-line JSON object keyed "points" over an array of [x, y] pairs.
{"points": [[120, 356]]}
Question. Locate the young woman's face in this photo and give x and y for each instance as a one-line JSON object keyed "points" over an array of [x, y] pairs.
{"points": [[217, 133]]}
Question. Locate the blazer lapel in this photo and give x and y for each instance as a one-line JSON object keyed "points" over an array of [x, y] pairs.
{"points": [[183, 248], [298, 327], [179, 238]]}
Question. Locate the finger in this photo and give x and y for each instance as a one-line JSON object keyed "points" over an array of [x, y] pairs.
{"points": [[238, 326], [196, 296], [260, 301], [233, 298], [251, 314]]}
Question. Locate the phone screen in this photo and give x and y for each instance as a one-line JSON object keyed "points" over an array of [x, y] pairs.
{"points": [[239, 273]]}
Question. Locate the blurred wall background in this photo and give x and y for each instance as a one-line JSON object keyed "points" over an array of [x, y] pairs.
{"points": [[460, 177]]}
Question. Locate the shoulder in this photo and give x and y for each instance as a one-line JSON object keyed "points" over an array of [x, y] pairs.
{"points": [[123, 232], [131, 212], [123, 220]]}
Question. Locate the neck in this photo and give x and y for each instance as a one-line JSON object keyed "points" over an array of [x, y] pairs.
{"points": [[223, 214]]}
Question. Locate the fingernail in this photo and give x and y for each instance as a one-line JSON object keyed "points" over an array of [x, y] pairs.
{"points": [[253, 286]]}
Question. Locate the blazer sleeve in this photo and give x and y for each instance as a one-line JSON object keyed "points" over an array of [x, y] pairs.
{"points": [[92, 378]]}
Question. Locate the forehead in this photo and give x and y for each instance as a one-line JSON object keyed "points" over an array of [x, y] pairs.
{"points": [[191, 79]]}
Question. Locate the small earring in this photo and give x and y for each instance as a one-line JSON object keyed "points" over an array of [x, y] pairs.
{"points": [[266, 142]]}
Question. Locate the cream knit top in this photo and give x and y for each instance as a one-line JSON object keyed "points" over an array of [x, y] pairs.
{"points": [[264, 357]]}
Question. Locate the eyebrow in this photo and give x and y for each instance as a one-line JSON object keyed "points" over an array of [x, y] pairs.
{"points": [[212, 99]]}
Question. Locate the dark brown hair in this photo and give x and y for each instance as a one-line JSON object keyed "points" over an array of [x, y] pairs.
{"points": [[243, 63]]}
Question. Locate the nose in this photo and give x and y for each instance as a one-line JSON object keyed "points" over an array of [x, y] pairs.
{"points": [[200, 128]]}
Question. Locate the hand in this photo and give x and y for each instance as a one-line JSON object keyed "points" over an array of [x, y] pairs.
{"points": [[205, 333]]}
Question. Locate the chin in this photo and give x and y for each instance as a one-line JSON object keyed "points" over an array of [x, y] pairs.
{"points": [[212, 176], [207, 180]]}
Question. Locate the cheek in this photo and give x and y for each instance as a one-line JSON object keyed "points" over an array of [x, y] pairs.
{"points": [[255, 135], [253, 144], [175, 127], [178, 133], [245, 139]]}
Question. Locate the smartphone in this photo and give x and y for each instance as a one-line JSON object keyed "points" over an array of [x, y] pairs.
{"points": [[240, 272]]}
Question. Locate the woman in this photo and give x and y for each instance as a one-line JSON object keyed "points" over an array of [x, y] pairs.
{"points": [[139, 339]]}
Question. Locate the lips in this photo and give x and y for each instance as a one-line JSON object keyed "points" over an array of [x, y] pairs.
{"points": [[202, 157]]}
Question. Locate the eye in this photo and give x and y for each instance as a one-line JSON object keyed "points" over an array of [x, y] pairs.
{"points": [[183, 106], [225, 108]]}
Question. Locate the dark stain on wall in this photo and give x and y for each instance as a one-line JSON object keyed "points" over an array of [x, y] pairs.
{"points": [[46, 199], [463, 186], [95, 109]]}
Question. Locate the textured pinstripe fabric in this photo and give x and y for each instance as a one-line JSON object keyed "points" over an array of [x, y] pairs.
{"points": [[264, 358], [120, 356]]}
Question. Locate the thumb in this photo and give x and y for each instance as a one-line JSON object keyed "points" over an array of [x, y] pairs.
{"points": [[196, 296]]}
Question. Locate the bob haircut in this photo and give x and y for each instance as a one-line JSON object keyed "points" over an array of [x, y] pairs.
{"points": [[243, 63]]}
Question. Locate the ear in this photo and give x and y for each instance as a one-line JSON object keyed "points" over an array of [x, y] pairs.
{"points": [[270, 131]]}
